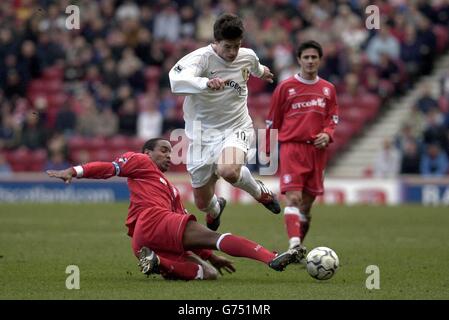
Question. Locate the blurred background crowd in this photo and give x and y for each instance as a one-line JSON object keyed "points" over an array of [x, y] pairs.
{"points": [[72, 96]]}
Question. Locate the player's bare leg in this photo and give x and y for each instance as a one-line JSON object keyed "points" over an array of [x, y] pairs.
{"points": [[207, 201], [305, 216], [197, 236], [231, 168]]}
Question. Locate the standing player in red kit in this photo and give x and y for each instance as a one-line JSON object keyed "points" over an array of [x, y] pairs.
{"points": [[165, 238], [304, 110]]}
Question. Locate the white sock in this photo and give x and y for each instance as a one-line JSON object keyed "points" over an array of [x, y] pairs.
{"points": [[248, 183], [200, 273], [213, 209], [292, 210], [220, 239], [293, 242]]}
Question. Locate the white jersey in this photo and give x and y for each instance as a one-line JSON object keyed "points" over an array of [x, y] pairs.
{"points": [[215, 109]]}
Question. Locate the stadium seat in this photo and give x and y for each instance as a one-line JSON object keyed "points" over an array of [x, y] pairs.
{"points": [[56, 100], [135, 144], [118, 142], [96, 143], [370, 104], [53, 73], [37, 160], [152, 75], [18, 159], [76, 143], [256, 85], [102, 155], [442, 37]]}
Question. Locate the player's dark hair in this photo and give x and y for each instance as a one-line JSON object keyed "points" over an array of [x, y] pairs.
{"points": [[228, 26], [151, 144], [309, 45]]}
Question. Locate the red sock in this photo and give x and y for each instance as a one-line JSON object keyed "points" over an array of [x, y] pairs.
{"points": [[240, 247], [292, 223], [172, 269]]}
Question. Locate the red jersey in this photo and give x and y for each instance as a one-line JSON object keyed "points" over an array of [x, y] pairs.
{"points": [[300, 109], [148, 186]]}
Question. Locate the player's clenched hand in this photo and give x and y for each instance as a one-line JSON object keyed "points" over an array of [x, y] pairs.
{"points": [[267, 75], [216, 84], [321, 140], [221, 263], [64, 175]]}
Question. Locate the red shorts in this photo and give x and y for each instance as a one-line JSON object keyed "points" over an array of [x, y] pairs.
{"points": [[302, 168], [162, 231]]}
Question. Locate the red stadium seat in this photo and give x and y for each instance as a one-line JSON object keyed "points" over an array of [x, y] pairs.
{"points": [[18, 159], [53, 73], [442, 36], [102, 155], [256, 85], [56, 100], [370, 104], [76, 143], [37, 160], [96, 143], [118, 142], [135, 144]]}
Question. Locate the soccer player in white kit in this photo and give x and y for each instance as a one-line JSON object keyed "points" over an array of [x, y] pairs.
{"points": [[217, 123]]}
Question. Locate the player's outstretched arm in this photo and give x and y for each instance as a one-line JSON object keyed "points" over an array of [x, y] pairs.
{"points": [[65, 175]]}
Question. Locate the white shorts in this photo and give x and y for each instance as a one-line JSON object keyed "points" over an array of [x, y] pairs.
{"points": [[202, 159]]}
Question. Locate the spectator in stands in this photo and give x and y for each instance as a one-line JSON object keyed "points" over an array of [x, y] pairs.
{"points": [[167, 23], [56, 161], [15, 86], [382, 42], [388, 70], [107, 123], [5, 168], [434, 161], [411, 158], [149, 120], [57, 144], [171, 121], [33, 136], [9, 132], [410, 50], [405, 135], [427, 41], [387, 162], [128, 117], [416, 121], [435, 132], [28, 65], [426, 102], [65, 120], [86, 124]]}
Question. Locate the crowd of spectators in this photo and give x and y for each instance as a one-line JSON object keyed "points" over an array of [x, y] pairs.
{"points": [[422, 145], [109, 79]]}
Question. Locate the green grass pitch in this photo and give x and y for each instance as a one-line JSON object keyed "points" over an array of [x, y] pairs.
{"points": [[407, 243]]}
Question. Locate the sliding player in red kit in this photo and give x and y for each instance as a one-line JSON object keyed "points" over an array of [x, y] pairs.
{"points": [[304, 110], [165, 238]]}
